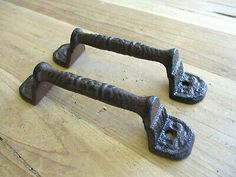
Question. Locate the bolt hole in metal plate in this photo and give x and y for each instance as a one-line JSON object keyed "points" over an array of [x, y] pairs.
{"points": [[185, 83], [170, 134]]}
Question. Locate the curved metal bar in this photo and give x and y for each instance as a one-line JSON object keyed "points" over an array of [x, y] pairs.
{"points": [[167, 135], [183, 87]]}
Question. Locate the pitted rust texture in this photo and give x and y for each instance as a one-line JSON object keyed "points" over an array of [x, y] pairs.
{"points": [[157, 123], [120, 46], [183, 87]]}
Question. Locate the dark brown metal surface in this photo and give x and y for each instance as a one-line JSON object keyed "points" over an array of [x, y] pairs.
{"points": [[167, 135], [183, 87]]}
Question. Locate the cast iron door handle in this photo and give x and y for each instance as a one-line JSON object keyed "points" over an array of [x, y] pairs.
{"points": [[183, 87], [167, 135]]}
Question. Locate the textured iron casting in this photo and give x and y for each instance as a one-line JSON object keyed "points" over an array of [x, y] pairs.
{"points": [[167, 135], [183, 87]]}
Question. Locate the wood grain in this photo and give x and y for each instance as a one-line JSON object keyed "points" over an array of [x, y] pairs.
{"points": [[70, 135], [207, 49], [215, 14]]}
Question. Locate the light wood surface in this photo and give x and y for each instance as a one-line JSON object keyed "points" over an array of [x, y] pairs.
{"points": [[69, 135]]}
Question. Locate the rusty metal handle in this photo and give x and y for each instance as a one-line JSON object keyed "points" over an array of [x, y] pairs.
{"points": [[91, 88], [121, 46], [156, 121], [184, 87]]}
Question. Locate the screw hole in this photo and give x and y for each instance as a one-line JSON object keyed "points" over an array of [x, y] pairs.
{"points": [[186, 83], [170, 134]]}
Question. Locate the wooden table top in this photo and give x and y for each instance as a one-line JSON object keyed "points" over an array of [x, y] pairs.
{"points": [[70, 135]]}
